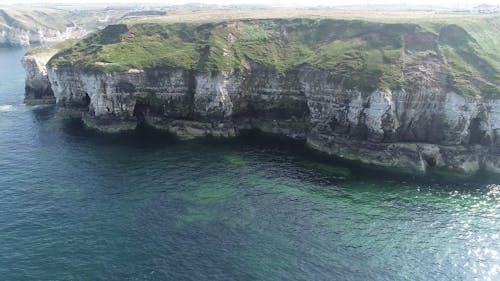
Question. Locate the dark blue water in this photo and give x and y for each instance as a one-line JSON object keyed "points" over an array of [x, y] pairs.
{"points": [[76, 205]]}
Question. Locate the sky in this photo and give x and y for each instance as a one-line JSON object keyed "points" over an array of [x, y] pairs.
{"points": [[447, 3]]}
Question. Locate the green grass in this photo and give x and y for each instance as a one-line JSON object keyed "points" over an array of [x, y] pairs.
{"points": [[115, 49], [256, 33], [359, 54], [472, 66]]}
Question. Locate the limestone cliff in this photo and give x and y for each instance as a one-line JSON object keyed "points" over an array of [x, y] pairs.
{"points": [[37, 88], [414, 131], [22, 27], [409, 114], [18, 37]]}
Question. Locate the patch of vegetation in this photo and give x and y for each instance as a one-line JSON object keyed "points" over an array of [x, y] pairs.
{"points": [[471, 71], [358, 54], [122, 49]]}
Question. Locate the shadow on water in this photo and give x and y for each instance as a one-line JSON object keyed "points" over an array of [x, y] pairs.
{"points": [[73, 130], [146, 137], [358, 171], [43, 113], [142, 137]]}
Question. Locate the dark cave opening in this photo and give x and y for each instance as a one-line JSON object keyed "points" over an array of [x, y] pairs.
{"points": [[140, 111], [86, 100], [430, 161], [476, 134]]}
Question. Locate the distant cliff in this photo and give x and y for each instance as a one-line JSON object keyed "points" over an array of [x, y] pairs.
{"points": [[414, 97], [25, 27]]}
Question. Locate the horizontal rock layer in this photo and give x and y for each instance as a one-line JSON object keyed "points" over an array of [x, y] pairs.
{"points": [[390, 95], [23, 38], [426, 129]]}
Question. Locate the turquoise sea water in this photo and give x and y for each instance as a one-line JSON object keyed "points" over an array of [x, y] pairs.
{"points": [[76, 205]]}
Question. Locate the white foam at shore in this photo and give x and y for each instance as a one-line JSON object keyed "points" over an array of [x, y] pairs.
{"points": [[6, 108]]}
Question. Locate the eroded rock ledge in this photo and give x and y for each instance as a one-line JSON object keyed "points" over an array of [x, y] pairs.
{"points": [[419, 131]]}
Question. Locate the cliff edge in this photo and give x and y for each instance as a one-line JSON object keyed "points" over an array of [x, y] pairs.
{"points": [[38, 89], [416, 97]]}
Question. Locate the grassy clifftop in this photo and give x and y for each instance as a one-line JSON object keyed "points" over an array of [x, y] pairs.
{"points": [[359, 53]]}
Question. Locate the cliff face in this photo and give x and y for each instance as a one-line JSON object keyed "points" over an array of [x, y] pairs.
{"points": [[24, 38], [18, 38], [425, 125], [38, 89], [25, 27], [417, 131], [19, 27]]}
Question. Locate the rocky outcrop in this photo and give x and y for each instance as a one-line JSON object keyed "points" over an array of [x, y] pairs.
{"points": [[18, 38], [15, 37], [20, 27], [429, 129], [37, 87], [355, 90], [26, 38]]}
